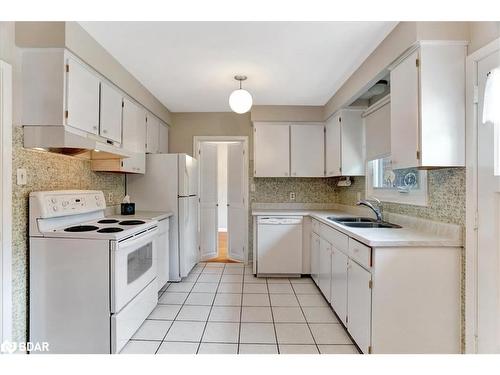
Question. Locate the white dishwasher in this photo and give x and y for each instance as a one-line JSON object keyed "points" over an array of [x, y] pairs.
{"points": [[279, 245]]}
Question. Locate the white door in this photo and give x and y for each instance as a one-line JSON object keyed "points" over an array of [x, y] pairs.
{"points": [[208, 200], [359, 305], [325, 268], [333, 151], [307, 148], [315, 257], [82, 98], [404, 113], [110, 114], [152, 134], [339, 284], [163, 147], [488, 243], [271, 150], [237, 218]]}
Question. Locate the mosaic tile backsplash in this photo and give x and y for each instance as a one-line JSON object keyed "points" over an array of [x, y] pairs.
{"points": [[46, 171]]}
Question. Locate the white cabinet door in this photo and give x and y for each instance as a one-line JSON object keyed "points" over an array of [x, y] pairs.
{"points": [[315, 257], [339, 284], [134, 127], [110, 124], [271, 150], [134, 164], [307, 148], [404, 113], [82, 98], [359, 307], [333, 146], [208, 200], [163, 147], [152, 134], [325, 268], [163, 253]]}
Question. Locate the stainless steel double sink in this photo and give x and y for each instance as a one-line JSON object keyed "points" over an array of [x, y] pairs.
{"points": [[362, 222]]}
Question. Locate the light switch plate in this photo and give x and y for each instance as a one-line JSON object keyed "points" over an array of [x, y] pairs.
{"points": [[22, 176]]}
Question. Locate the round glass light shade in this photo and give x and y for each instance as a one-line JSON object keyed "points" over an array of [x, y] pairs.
{"points": [[240, 101]]}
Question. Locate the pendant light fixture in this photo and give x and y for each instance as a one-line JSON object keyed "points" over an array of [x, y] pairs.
{"points": [[240, 100]]}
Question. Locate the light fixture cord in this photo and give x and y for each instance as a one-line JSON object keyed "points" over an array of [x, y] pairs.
{"points": [[240, 84]]}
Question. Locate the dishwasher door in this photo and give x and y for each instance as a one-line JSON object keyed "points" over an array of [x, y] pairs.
{"points": [[279, 245]]}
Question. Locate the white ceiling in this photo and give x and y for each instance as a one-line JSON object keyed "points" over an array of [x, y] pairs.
{"points": [[189, 66]]}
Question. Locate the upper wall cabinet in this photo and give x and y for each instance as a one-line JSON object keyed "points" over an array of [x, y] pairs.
{"points": [[344, 144], [110, 114], [271, 150], [134, 127], [163, 147], [428, 106], [307, 150], [152, 134]]}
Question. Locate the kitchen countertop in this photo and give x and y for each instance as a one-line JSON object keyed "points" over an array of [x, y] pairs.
{"points": [[416, 232]]}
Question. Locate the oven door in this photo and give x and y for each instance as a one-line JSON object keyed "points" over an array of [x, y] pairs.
{"points": [[133, 267]]}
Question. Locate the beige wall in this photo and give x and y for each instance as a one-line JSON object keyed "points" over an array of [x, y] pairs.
{"points": [[72, 36], [187, 125], [286, 113]]}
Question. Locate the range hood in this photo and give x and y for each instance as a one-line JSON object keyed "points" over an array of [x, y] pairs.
{"points": [[60, 139]]}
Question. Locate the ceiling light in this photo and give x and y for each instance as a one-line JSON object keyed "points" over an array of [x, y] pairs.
{"points": [[240, 100]]}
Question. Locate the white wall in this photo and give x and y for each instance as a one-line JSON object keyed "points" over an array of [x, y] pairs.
{"points": [[222, 185]]}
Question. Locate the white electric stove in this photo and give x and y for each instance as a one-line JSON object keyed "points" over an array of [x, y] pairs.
{"points": [[92, 277]]}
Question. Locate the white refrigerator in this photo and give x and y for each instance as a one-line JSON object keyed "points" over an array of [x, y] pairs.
{"points": [[171, 184]]}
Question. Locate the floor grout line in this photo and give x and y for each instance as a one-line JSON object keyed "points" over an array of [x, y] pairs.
{"points": [[305, 318], [272, 316]]}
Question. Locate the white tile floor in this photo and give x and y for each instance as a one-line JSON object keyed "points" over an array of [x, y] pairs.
{"points": [[223, 309]]}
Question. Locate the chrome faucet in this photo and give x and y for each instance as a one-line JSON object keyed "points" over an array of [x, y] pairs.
{"points": [[377, 210]]}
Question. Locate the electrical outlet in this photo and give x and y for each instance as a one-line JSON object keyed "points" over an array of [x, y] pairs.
{"points": [[22, 176], [110, 197], [292, 196]]}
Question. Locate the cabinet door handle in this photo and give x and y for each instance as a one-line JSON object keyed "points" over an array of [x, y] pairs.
{"points": [[104, 131], [94, 127]]}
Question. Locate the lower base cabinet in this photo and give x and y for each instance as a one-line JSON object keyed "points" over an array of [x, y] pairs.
{"points": [[339, 284], [315, 245], [359, 305], [162, 253], [325, 269]]}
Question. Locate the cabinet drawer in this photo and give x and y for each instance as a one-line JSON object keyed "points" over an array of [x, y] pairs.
{"points": [[315, 226], [360, 253], [336, 238]]}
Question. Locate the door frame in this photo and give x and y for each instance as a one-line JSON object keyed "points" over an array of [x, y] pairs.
{"points": [[197, 139], [471, 213], [6, 202]]}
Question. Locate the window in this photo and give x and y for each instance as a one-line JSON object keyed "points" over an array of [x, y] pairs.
{"points": [[396, 185]]}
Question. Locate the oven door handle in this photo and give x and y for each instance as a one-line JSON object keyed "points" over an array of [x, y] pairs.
{"points": [[142, 238]]}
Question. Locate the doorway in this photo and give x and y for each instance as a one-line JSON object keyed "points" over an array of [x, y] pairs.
{"points": [[482, 320], [223, 198]]}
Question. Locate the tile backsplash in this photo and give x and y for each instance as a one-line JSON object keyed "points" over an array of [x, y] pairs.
{"points": [[46, 171]]}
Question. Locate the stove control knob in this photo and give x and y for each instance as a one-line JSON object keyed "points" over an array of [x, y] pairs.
{"points": [[65, 203], [98, 203], [55, 208], [53, 200]]}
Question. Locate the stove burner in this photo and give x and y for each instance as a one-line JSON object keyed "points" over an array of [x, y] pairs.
{"points": [[110, 230], [131, 222], [81, 228], [108, 221]]}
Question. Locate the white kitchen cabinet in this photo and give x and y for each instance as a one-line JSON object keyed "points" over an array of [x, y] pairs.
{"points": [[359, 305], [315, 249], [339, 284], [110, 114], [82, 97], [271, 150], [344, 139], [152, 134], [134, 127], [307, 150], [163, 253], [163, 147], [428, 106], [325, 268]]}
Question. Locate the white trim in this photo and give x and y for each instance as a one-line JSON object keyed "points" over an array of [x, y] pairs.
{"points": [[471, 196], [377, 105], [6, 201], [197, 139]]}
